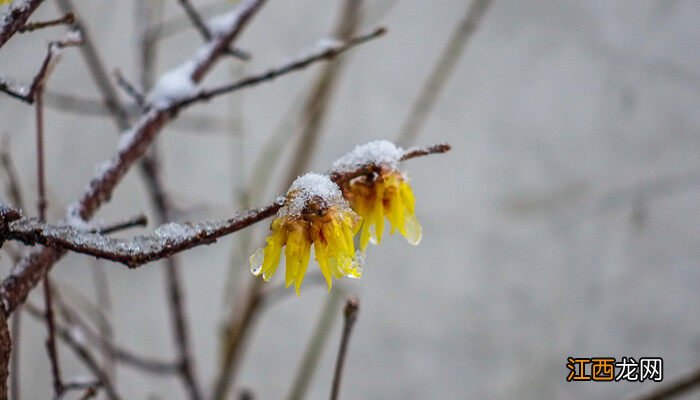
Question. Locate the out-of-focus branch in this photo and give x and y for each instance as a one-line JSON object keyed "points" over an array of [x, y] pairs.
{"points": [[203, 29], [329, 51], [96, 67], [16, 18], [13, 186], [316, 105], [5, 350], [350, 311], [28, 95], [67, 19], [193, 124], [441, 72], [318, 341], [75, 343], [127, 357], [135, 94]]}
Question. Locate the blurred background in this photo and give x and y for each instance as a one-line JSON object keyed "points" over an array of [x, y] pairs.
{"points": [[564, 222]]}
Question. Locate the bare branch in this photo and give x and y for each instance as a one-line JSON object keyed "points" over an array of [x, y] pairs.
{"points": [[136, 94], [137, 220], [122, 355], [329, 52], [28, 94], [203, 29], [350, 311], [76, 344], [442, 70], [89, 51], [67, 19]]}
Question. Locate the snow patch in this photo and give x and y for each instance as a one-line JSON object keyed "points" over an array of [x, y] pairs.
{"points": [[310, 187], [173, 85], [379, 152]]}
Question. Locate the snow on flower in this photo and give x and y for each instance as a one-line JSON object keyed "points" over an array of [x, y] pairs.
{"points": [[383, 193], [315, 213]]}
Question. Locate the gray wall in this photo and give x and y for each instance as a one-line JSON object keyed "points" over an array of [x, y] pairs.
{"points": [[564, 222]]}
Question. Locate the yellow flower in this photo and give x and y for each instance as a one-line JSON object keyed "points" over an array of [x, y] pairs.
{"points": [[389, 195], [384, 192], [315, 213]]}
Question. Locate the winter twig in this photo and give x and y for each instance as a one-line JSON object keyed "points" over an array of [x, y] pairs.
{"points": [[67, 19], [350, 317], [442, 70], [203, 29], [28, 95], [16, 18]]}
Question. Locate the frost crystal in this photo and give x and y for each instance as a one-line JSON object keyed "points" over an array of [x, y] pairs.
{"points": [[378, 152], [308, 187]]}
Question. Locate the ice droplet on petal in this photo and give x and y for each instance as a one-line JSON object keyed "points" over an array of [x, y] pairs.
{"points": [[357, 266], [256, 261], [413, 230]]}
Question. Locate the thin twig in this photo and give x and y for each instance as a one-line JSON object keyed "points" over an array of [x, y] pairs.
{"points": [[127, 357], [442, 70], [28, 95], [350, 317], [15, 195], [317, 103], [5, 351], [67, 19], [203, 29], [318, 341], [13, 186], [329, 52], [236, 335], [135, 94], [41, 205], [96, 67], [674, 388], [137, 220], [160, 198], [76, 344], [89, 388]]}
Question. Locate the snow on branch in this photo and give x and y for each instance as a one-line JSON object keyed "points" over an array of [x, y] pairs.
{"points": [[169, 239], [16, 18]]}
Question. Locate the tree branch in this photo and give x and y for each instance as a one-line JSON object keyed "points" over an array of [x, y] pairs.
{"points": [[67, 19], [16, 18], [350, 313], [327, 52], [28, 95], [203, 29]]}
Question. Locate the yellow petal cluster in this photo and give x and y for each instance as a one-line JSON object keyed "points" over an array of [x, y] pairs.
{"points": [[384, 194], [320, 219]]}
